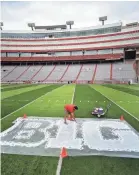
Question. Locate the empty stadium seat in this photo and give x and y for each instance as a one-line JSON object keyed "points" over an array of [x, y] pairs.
{"points": [[103, 72], [120, 71], [29, 72], [87, 72], [57, 72], [123, 72], [71, 73], [15, 73], [43, 73], [5, 71]]}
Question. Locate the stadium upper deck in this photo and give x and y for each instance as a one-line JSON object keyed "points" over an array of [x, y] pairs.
{"points": [[102, 42], [110, 28]]}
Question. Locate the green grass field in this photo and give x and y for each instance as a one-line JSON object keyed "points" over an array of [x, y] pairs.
{"points": [[48, 101]]}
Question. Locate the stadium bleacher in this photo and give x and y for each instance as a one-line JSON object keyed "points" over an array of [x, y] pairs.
{"points": [[124, 72], [103, 72], [44, 73], [58, 47], [97, 47], [86, 72]]}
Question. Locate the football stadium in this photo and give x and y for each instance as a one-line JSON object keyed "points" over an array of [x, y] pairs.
{"points": [[96, 70]]}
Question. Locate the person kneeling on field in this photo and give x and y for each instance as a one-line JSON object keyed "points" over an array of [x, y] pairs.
{"points": [[69, 112]]}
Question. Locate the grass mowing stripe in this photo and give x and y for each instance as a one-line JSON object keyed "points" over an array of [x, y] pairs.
{"points": [[123, 89], [28, 165], [11, 85], [99, 165], [11, 93], [125, 100], [5, 85], [86, 99], [30, 109], [132, 86], [53, 104], [118, 105], [128, 116], [8, 107], [14, 102], [17, 87]]}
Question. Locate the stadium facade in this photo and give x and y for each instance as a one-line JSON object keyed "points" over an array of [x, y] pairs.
{"points": [[107, 53]]}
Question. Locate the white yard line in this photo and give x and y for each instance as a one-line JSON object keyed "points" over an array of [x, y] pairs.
{"points": [[72, 100], [31, 102], [117, 105], [59, 166], [58, 170]]}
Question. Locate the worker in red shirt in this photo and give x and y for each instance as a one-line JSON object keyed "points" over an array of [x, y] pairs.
{"points": [[69, 111]]}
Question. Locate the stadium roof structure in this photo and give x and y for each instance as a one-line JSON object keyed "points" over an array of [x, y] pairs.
{"points": [[119, 24], [53, 27]]}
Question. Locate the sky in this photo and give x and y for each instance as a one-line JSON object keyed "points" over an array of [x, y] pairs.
{"points": [[15, 15]]}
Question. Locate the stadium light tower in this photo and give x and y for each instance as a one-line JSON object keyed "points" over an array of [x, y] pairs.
{"points": [[103, 18], [1, 24], [32, 25], [70, 23]]}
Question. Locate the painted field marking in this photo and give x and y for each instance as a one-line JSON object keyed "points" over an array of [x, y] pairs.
{"points": [[117, 105], [31, 102], [58, 170], [73, 95], [17, 100]]}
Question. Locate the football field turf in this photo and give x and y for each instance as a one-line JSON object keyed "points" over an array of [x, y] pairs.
{"points": [[48, 101]]}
